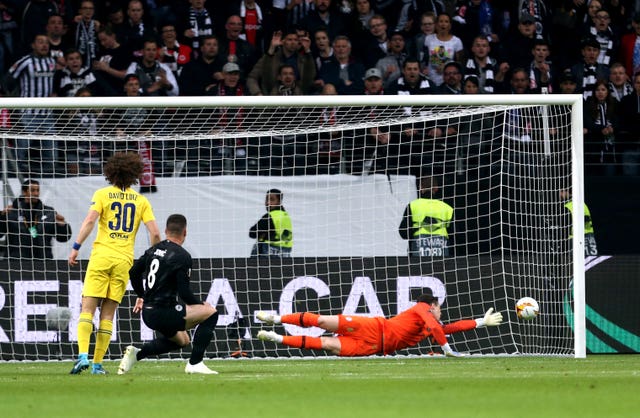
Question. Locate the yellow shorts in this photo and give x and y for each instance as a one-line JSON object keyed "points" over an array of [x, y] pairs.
{"points": [[106, 278]]}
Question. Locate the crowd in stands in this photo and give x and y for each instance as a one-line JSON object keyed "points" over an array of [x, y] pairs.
{"points": [[307, 47]]}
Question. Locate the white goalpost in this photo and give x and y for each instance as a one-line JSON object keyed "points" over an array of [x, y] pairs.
{"points": [[347, 166]]}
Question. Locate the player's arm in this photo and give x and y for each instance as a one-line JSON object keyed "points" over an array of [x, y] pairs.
{"points": [[154, 231], [85, 230], [262, 228], [490, 319], [136, 275], [184, 290]]}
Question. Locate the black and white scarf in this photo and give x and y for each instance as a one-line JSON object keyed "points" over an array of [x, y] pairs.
{"points": [[606, 44], [485, 75], [201, 24], [589, 79], [170, 57], [86, 41], [535, 75]]}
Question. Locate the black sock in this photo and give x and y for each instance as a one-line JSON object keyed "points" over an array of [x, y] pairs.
{"points": [[202, 338], [155, 347]]}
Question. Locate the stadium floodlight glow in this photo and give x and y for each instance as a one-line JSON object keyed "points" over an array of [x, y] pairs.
{"points": [[347, 166]]}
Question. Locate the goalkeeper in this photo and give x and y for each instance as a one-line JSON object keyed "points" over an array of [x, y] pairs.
{"points": [[363, 336]]}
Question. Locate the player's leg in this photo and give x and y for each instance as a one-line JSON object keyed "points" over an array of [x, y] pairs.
{"points": [[331, 344], [302, 319], [206, 317], [85, 328], [118, 277]]}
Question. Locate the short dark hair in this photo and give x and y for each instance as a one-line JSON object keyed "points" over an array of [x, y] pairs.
{"points": [[427, 297], [29, 182], [276, 192], [176, 224]]}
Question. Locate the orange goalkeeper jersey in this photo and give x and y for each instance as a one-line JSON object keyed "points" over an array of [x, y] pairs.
{"points": [[415, 324]]}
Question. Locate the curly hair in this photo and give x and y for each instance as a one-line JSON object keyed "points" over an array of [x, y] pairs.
{"points": [[123, 169]]}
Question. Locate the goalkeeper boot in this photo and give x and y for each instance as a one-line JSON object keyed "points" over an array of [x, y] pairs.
{"points": [[198, 368], [97, 369], [81, 364], [268, 318], [269, 336], [128, 360]]}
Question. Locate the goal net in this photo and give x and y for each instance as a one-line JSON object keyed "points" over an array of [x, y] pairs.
{"points": [[347, 167]]}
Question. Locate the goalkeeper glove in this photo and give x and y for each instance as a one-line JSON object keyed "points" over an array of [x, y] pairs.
{"points": [[449, 352], [491, 319]]}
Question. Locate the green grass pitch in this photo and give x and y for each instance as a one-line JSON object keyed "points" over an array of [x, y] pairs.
{"points": [[598, 386]]}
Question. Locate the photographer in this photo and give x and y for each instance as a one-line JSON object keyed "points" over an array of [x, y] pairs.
{"points": [[29, 225]]}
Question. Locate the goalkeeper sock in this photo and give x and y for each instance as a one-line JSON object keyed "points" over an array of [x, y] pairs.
{"points": [[304, 319], [103, 338], [202, 338], [85, 327], [302, 341], [155, 347]]}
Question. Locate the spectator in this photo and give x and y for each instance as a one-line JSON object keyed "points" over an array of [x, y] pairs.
{"points": [[8, 35], [86, 32], [323, 51], [235, 49], [29, 225], [517, 48], [416, 44], [229, 118], [404, 144], [172, 53], [601, 127], [608, 40], [296, 11], [156, 78], [194, 23], [452, 79], [34, 20], [420, 7], [540, 70], [85, 157], [135, 30], [541, 14], [374, 46], [113, 61], [391, 65], [441, 47], [360, 20], [588, 71], [630, 130], [483, 67], [475, 18], [286, 85], [630, 47], [57, 44], [273, 232], [568, 83], [425, 222], [199, 76], [73, 76], [619, 84], [324, 16], [344, 72], [471, 85], [263, 78], [253, 22], [325, 154], [34, 73]]}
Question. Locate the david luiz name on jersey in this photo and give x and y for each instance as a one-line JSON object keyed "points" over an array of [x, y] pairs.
{"points": [[123, 196]]}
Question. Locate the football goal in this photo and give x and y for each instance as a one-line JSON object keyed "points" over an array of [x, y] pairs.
{"points": [[347, 167]]}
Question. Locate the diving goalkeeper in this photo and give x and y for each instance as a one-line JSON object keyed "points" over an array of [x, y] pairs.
{"points": [[363, 336]]}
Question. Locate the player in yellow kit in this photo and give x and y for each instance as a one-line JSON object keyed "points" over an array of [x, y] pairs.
{"points": [[118, 210]]}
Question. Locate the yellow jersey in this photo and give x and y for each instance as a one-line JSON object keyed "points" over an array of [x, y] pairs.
{"points": [[120, 215]]}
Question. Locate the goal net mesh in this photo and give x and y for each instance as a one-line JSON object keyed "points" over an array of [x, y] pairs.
{"points": [[347, 174]]}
